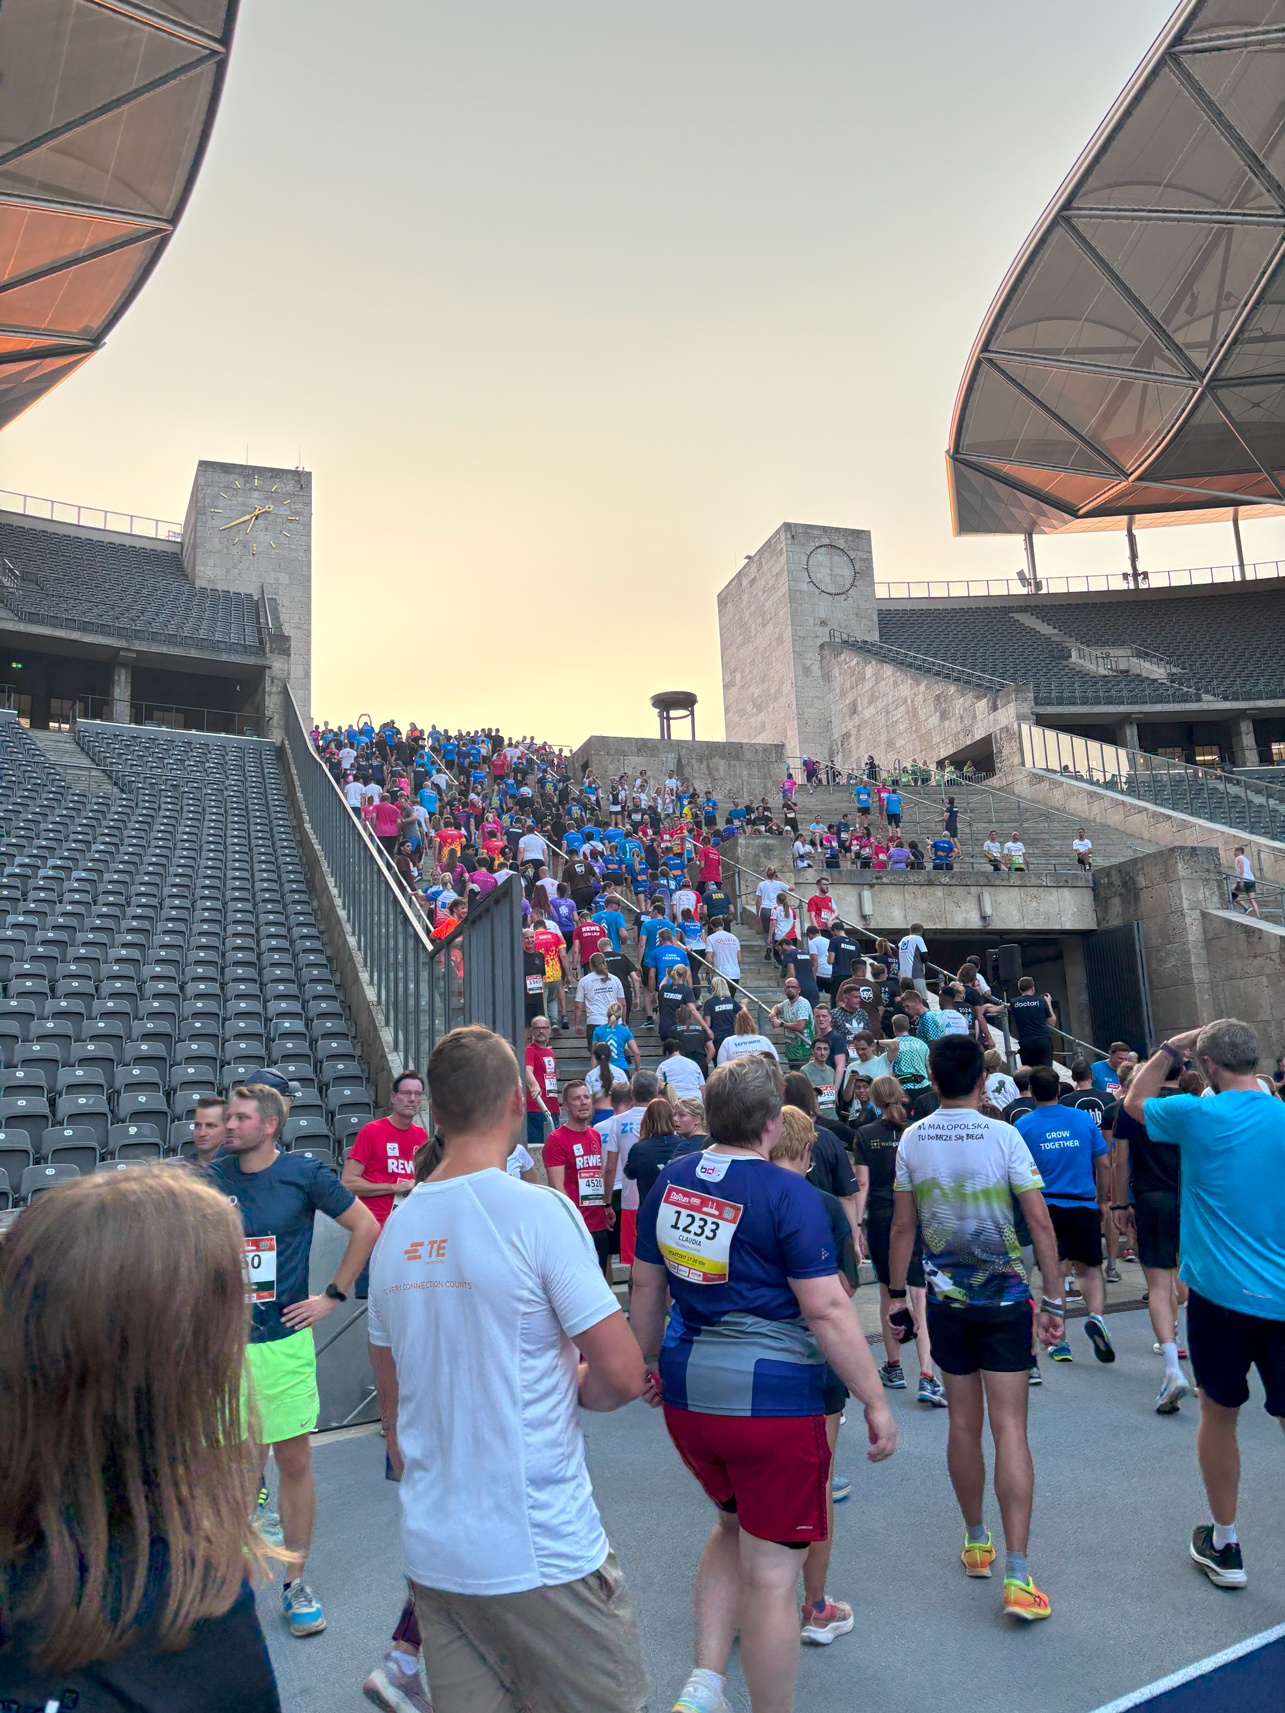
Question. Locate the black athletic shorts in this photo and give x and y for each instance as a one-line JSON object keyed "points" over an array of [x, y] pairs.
{"points": [[835, 1394], [967, 1339], [1226, 1344], [602, 1245], [1079, 1234], [878, 1234], [1155, 1214]]}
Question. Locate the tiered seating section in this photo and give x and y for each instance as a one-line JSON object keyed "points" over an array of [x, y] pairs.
{"points": [[121, 589], [1224, 643], [156, 945]]}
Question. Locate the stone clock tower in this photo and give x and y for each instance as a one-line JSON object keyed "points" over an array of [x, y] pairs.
{"points": [[249, 529]]}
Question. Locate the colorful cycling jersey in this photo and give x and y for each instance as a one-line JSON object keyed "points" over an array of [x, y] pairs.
{"points": [[731, 1232], [963, 1170]]}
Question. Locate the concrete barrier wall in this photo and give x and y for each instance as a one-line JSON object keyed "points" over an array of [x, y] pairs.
{"points": [[1247, 977], [896, 715], [742, 770]]}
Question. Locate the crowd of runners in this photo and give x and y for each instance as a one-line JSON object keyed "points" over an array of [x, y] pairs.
{"points": [[690, 1236]]}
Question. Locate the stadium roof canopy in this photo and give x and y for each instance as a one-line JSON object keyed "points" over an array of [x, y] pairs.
{"points": [[1133, 361], [105, 113]]}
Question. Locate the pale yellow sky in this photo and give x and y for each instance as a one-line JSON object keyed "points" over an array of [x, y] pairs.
{"points": [[569, 305]]}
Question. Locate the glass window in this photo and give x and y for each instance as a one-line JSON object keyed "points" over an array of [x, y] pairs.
{"points": [[1208, 755]]}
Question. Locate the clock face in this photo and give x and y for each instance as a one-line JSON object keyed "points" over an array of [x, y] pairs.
{"points": [[831, 570], [259, 515]]}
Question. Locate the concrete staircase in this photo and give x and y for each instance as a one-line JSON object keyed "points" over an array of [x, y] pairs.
{"points": [[62, 750], [1046, 833]]}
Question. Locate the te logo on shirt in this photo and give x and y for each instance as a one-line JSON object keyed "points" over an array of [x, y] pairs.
{"points": [[430, 1251]]}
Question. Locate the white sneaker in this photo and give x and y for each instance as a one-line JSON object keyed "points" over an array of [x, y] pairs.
{"points": [[1171, 1394], [388, 1687], [697, 1698]]}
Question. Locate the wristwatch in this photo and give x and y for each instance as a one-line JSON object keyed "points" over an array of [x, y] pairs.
{"points": [[1175, 1053], [332, 1290]]}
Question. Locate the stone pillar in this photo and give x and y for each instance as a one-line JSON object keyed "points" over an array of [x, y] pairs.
{"points": [[249, 529], [122, 687], [773, 618], [1244, 744], [1126, 735]]}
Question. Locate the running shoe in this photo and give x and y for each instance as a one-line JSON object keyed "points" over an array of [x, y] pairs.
{"points": [[1062, 1352], [1222, 1565], [1099, 1338], [1111, 1273], [1127, 1254], [892, 1376], [301, 1609], [978, 1556], [696, 1698], [821, 1624], [1033, 1375], [1071, 1285], [389, 1687], [1182, 1351], [1171, 1393], [840, 1487], [1023, 1600], [931, 1391]]}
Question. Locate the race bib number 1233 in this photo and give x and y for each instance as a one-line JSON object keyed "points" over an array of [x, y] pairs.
{"points": [[694, 1234]]}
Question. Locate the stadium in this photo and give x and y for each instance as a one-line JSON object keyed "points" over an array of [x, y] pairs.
{"points": [[194, 898]]}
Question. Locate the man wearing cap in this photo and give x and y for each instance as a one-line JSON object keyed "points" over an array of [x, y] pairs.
{"points": [[380, 1167]]}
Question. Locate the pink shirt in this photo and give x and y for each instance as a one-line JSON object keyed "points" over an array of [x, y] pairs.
{"points": [[387, 819]]}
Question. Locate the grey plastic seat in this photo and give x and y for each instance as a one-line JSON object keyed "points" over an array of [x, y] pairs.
{"points": [[37, 1179]]}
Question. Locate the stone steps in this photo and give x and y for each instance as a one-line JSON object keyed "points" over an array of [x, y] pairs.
{"points": [[64, 753]]}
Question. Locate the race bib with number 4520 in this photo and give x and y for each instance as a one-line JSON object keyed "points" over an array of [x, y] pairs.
{"points": [[694, 1233], [259, 1261]]}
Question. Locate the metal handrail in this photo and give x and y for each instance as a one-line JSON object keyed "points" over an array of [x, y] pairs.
{"points": [[924, 663], [1136, 773]]}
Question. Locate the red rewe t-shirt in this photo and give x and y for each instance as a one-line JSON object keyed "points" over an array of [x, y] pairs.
{"points": [[589, 938], [542, 1062], [580, 1151], [386, 1155], [711, 864]]}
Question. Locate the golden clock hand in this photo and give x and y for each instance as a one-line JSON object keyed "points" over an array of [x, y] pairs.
{"points": [[236, 521]]}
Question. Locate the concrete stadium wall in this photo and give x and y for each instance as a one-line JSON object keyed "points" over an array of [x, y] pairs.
{"points": [[1247, 977], [772, 619], [1142, 821], [740, 770], [879, 709], [1167, 892]]}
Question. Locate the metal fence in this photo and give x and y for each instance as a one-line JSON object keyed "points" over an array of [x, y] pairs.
{"points": [[89, 517], [949, 589], [1247, 805], [424, 987]]}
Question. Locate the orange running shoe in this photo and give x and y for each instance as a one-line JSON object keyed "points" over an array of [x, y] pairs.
{"points": [[978, 1556], [1024, 1600]]}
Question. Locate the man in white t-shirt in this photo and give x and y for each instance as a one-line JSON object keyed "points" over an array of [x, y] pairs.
{"points": [[912, 950], [766, 894], [347, 755], [531, 848], [522, 1603], [1015, 853], [1082, 845], [353, 794], [803, 854], [993, 851], [724, 952]]}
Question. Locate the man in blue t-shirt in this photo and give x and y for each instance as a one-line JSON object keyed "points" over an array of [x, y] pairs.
{"points": [[1071, 1153], [278, 1197], [944, 851], [892, 808], [1105, 1074], [746, 1252], [1232, 1143], [611, 919]]}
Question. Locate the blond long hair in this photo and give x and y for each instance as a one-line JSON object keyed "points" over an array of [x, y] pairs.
{"points": [[122, 1340]]}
